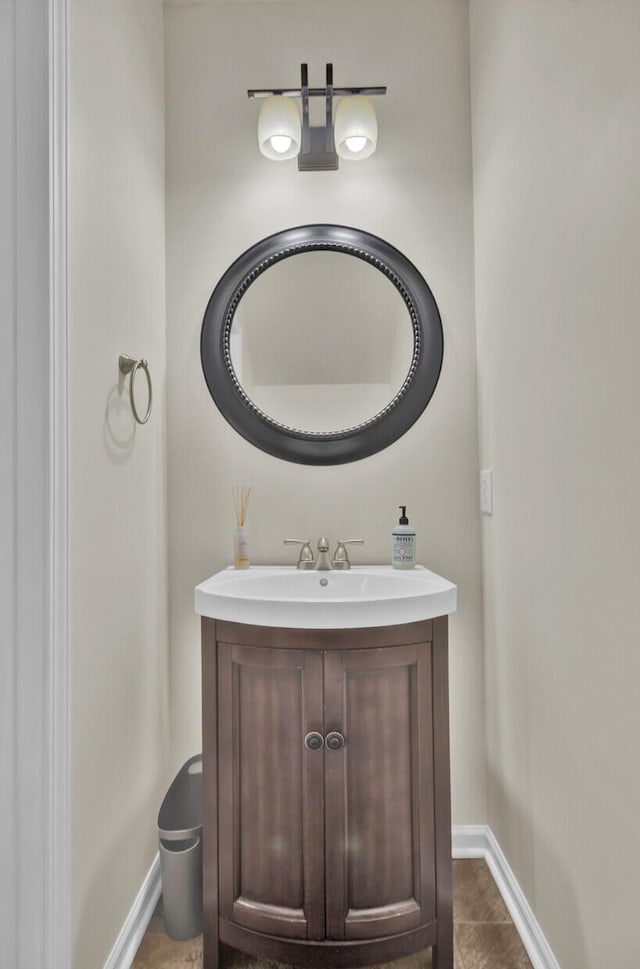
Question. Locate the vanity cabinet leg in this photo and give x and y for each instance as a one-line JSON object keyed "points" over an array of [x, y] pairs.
{"points": [[211, 945], [443, 950], [211, 939], [442, 953], [212, 956]]}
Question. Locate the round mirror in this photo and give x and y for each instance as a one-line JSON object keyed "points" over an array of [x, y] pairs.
{"points": [[321, 344]]}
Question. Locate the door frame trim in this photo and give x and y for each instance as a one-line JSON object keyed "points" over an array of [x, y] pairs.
{"points": [[34, 749]]}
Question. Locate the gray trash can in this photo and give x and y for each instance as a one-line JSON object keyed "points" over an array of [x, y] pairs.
{"points": [[180, 846]]}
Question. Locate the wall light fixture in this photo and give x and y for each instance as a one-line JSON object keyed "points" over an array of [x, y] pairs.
{"points": [[281, 134]]}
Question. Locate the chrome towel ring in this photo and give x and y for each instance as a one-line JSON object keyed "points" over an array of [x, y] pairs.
{"points": [[128, 365]]}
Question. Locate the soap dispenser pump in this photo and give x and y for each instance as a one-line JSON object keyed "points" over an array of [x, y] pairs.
{"points": [[403, 554]]}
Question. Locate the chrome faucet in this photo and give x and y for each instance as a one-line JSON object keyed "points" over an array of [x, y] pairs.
{"points": [[323, 563]]}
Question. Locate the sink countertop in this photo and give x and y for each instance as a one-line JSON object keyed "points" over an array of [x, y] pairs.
{"points": [[371, 595]]}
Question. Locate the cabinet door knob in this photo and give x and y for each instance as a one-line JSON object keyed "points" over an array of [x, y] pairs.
{"points": [[314, 740], [334, 740]]}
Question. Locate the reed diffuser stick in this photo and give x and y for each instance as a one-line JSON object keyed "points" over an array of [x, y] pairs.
{"points": [[241, 494]]}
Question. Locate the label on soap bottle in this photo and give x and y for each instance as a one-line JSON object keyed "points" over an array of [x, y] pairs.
{"points": [[403, 554]]}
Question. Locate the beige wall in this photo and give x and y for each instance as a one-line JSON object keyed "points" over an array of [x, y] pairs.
{"points": [[117, 499], [415, 192], [556, 143]]}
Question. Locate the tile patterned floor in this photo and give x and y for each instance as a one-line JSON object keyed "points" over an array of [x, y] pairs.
{"points": [[484, 935]]}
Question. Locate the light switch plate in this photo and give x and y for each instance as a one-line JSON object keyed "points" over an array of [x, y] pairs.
{"points": [[486, 492]]}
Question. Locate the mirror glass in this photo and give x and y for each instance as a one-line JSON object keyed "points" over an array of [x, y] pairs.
{"points": [[321, 342]]}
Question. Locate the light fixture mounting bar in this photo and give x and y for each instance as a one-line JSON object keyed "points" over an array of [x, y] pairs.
{"points": [[315, 92]]}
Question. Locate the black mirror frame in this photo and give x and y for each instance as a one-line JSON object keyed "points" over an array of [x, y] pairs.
{"points": [[311, 447]]}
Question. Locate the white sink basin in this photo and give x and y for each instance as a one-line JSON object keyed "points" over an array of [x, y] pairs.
{"points": [[375, 595]]}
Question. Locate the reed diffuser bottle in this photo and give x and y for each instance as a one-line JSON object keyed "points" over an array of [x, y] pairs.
{"points": [[241, 495]]}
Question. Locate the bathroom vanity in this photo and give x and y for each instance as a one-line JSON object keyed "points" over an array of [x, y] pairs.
{"points": [[327, 827]]}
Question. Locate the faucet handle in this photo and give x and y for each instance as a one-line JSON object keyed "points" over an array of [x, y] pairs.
{"points": [[305, 559], [341, 556]]}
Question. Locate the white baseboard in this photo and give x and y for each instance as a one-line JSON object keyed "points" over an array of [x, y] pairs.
{"points": [[469, 841], [478, 841], [135, 926]]}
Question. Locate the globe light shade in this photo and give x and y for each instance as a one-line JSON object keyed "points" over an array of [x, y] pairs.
{"points": [[356, 128], [279, 128]]}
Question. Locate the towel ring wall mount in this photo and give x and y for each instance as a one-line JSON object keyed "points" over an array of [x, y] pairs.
{"points": [[129, 365]]}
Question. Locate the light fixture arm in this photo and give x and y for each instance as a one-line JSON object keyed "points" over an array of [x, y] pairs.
{"points": [[304, 92], [328, 128], [318, 151]]}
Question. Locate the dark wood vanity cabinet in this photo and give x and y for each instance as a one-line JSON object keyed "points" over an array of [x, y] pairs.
{"points": [[327, 831]]}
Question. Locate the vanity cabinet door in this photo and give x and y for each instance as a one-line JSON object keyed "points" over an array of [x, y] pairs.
{"points": [[271, 841], [379, 806]]}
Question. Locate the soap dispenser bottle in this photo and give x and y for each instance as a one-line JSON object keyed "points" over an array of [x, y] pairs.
{"points": [[403, 554]]}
